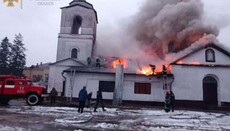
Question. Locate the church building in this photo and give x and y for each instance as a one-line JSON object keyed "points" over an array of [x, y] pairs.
{"points": [[198, 78]]}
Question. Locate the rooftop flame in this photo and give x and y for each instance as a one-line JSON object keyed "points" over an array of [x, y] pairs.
{"points": [[146, 71], [180, 62], [121, 61]]}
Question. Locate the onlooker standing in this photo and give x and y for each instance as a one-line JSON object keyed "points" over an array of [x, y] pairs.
{"points": [[82, 98], [99, 100], [89, 96], [53, 94], [172, 99]]}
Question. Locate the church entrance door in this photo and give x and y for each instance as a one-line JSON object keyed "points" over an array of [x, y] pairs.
{"points": [[210, 91]]}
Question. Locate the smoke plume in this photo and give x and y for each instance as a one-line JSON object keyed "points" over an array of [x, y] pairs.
{"points": [[158, 23]]}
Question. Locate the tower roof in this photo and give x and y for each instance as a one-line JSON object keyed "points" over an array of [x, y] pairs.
{"points": [[82, 3]]}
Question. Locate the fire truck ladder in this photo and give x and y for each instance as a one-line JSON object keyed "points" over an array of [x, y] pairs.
{"points": [[70, 91]]}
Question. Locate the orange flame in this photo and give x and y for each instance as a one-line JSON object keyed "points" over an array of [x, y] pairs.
{"points": [[146, 71], [195, 63], [121, 61], [179, 62]]}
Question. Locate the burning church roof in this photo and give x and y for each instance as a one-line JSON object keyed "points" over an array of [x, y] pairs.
{"points": [[106, 71], [210, 45]]}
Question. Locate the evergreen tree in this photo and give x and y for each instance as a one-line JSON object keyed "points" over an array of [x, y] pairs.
{"points": [[18, 57], [4, 56]]}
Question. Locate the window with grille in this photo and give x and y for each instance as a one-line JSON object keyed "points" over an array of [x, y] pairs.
{"points": [[107, 86], [142, 88]]}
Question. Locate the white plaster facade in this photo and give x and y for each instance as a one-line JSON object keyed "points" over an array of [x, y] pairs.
{"points": [[67, 40], [91, 81], [188, 83]]}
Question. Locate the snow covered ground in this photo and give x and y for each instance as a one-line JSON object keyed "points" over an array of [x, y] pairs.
{"points": [[65, 118]]}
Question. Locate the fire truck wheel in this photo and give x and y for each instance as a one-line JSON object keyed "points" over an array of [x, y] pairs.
{"points": [[32, 99]]}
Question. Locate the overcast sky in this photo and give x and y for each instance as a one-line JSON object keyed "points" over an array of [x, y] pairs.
{"points": [[40, 24]]}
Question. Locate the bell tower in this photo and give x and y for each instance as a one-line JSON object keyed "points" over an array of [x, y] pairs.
{"points": [[78, 31]]}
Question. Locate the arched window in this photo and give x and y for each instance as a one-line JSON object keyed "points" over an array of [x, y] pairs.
{"points": [[210, 55], [77, 25], [171, 47], [74, 52]]}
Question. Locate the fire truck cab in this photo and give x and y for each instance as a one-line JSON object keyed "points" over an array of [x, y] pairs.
{"points": [[12, 87]]}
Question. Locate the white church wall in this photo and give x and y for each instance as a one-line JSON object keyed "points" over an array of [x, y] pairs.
{"points": [[55, 78], [65, 45], [221, 58], [88, 19], [188, 84], [91, 81]]}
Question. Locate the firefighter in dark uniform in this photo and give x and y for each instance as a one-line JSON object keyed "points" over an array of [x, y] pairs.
{"points": [[164, 71], [167, 102], [89, 61], [153, 68], [172, 99], [98, 63]]}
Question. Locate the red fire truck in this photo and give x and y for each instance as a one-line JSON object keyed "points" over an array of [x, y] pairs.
{"points": [[12, 87]]}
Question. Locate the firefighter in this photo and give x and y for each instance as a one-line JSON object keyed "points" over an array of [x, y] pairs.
{"points": [[99, 100], [164, 71], [98, 63], [89, 61], [172, 99], [167, 102], [153, 67]]}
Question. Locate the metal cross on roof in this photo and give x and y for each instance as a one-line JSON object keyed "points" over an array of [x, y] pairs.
{"points": [[10, 2]]}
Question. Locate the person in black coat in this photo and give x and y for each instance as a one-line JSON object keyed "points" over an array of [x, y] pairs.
{"points": [[82, 99], [99, 100], [172, 99], [53, 94]]}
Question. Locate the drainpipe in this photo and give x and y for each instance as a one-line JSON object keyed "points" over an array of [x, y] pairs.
{"points": [[170, 84], [119, 83], [63, 89]]}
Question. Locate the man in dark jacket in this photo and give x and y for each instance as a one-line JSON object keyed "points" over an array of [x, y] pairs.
{"points": [[99, 100], [82, 98], [53, 94], [172, 99]]}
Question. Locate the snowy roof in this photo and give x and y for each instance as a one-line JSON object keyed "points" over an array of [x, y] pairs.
{"points": [[104, 70]]}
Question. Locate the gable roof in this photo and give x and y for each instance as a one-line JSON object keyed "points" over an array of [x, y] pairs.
{"points": [[217, 47], [79, 62]]}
